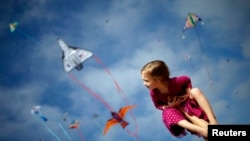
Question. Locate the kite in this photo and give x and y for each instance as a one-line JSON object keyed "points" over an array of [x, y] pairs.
{"points": [[118, 118], [37, 110], [13, 28], [95, 116], [73, 58], [75, 125], [65, 116], [191, 22]]}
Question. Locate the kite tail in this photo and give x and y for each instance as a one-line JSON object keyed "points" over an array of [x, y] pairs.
{"points": [[64, 131], [42, 117], [121, 92], [97, 124], [28, 36], [203, 52], [51, 132], [133, 134], [91, 92], [110, 74], [80, 134]]}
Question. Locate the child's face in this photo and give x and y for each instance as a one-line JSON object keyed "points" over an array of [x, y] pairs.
{"points": [[149, 82]]}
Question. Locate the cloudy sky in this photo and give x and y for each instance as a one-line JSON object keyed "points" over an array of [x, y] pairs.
{"points": [[124, 35]]}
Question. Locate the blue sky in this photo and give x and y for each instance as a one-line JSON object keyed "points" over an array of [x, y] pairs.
{"points": [[124, 34]]}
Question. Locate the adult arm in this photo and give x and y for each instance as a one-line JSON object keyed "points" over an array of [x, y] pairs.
{"points": [[197, 121], [194, 128]]}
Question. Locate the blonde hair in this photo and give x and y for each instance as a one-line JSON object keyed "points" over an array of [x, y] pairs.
{"points": [[156, 69]]}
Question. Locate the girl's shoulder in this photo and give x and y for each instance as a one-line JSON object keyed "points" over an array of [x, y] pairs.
{"points": [[180, 78], [183, 77]]}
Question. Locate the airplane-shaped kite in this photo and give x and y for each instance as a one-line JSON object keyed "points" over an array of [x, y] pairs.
{"points": [[118, 118], [73, 57]]}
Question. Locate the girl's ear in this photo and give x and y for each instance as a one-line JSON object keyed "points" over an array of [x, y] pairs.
{"points": [[157, 79]]}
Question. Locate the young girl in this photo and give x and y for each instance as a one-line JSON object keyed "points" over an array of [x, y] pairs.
{"points": [[183, 107]]}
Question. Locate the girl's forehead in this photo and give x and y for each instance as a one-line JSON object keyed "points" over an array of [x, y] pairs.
{"points": [[145, 74]]}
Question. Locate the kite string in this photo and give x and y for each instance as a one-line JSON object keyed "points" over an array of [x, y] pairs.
{"points": [[28, 36], [191, 62], [64, 131], [104, 102], [80, 134], [60, 125], [202, 50], [109, 73], [122, 94], [91, 92], [47, 128], [133, 134], [98, 125]]}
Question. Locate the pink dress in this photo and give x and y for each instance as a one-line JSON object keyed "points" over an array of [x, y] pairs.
{"points": [[171, 116]]}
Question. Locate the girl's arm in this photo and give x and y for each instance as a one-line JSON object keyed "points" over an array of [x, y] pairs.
{"points": [[198, 95]]}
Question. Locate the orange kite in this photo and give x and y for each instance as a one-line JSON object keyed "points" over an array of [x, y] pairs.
{"points": [[118, 118]]}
